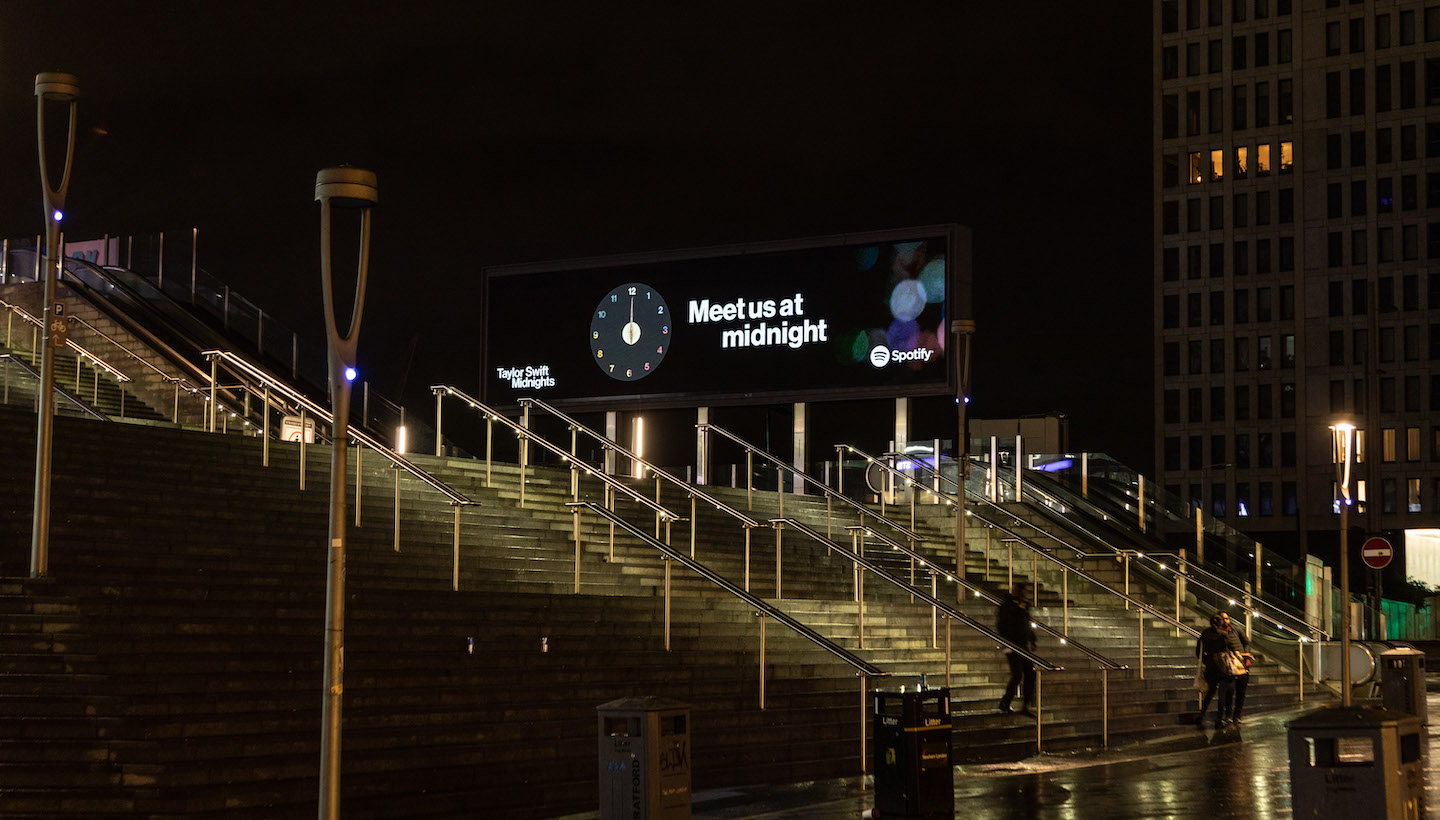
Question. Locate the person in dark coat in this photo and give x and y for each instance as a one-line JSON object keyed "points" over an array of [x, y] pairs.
{"points": [[1013, 624], [1220, 638]]}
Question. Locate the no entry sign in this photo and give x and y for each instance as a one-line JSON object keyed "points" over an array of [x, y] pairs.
{"points": [[1377, 553]]}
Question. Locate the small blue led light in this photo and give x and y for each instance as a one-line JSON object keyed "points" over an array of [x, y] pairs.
{"points": [[349, 374], [59, 214]]}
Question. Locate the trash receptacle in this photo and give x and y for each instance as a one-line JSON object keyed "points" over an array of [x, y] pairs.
{"points": [[913, 774], [1354, 762], [1402, 682], [644, 759]]}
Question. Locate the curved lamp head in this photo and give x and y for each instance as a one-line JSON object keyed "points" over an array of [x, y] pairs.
{"points": [[52, 85], [347, 187]]}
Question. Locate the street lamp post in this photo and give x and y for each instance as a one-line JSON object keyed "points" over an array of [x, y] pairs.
{"points": [[344, 188], [964, 329], [63, 88], [1342, 434]]}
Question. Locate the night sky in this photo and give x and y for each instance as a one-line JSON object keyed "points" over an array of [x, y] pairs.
{"points": [[530, 131]]}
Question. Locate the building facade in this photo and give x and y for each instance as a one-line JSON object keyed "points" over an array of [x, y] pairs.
{"points": [[1297, 261]]}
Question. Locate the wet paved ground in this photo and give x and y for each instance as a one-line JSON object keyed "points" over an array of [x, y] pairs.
{"points": [[1236, 773]]}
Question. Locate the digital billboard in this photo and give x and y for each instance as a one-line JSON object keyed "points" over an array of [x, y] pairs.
{"points": [[861, 315]]}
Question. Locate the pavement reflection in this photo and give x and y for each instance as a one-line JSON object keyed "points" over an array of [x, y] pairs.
{"points": [[1236, 772]]}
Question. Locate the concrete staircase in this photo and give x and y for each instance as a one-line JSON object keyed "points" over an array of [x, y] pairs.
{"points": [[170, 666]]}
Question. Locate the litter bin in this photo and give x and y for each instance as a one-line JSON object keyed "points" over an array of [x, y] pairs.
{"points": [[913, 775], [1402, 682], [1355, 762], [644, 759]]}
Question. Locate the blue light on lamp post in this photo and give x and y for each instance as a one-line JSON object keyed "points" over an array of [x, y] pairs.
{"points": [[355, 189]]}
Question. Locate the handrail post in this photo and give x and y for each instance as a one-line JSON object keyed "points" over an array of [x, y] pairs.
{"points": [[1126, 559], [1179, 589], [1065, 598], [934, 612], [1039, 720], [359, 451], [439, 419], [397, 507], [1249, 611], [1104, 707], [860, 585], [839, 469], [524, 445], [455, 554], [265, 447], [948, 621], [1141, 501], [780, 487], [762, 661], [749, 480], [576, 497], [1300, 669], [748, 528], [1140, 614], [489, 442], [666, 559], [210, 411], [864, 715], [692, 525], [779, 532], [303, 444]]}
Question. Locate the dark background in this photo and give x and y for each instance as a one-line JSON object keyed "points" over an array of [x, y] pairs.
{"points": [[520, 132]]}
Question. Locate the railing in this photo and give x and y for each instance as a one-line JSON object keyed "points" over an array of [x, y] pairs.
{"points": [[8, 361], [764, 611], [610, 446], [830, 495], [863, 565], [663, 516], [271, 386]]}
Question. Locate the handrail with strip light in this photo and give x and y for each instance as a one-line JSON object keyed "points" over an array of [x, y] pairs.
{"points": [[96, 361], [320, 412], [1190, 566], [979, 592], [811, 481], [529, 435], [691, 489], [35, 374], [950, 612]]}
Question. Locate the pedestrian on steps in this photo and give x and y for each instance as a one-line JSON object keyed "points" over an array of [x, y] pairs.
{"points": [[1211, 648], [1014, 625]]}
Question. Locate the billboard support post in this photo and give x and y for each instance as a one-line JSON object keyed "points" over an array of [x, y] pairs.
{"points": [[963, 329]]}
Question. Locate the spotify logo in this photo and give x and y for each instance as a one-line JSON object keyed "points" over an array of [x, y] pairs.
{"points": [[879, 355]]}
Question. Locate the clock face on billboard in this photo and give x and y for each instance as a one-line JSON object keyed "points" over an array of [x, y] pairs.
{"points": [[630, 332]]}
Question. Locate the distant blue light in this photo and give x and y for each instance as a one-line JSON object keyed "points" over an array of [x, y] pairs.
{"points": [[59, 214], [1057, 466], [967, 400], [349, 374]]}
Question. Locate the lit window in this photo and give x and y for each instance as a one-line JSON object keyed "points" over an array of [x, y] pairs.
{"points": [[1196, 169], [1387, 444], [1262, 159], [1412, 493], [1217, 164], [1359, 446], [1242, 161], [1287, 156]]}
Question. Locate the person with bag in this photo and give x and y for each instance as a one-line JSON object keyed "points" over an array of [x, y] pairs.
{"points": [[1222, 660], [1242, 681]]}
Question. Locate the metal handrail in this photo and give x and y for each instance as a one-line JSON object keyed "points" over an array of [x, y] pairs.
{"points": [[529, 435], [980, 592], [1035, 548], [812, 481], [80, 351], [75, 400], [859, 664], [1191, 568], [690, 489], [300, 400], [1189, 565], [955, 614]]}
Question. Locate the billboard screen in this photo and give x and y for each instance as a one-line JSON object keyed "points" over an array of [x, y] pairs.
{"points": [[844, 317]]}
